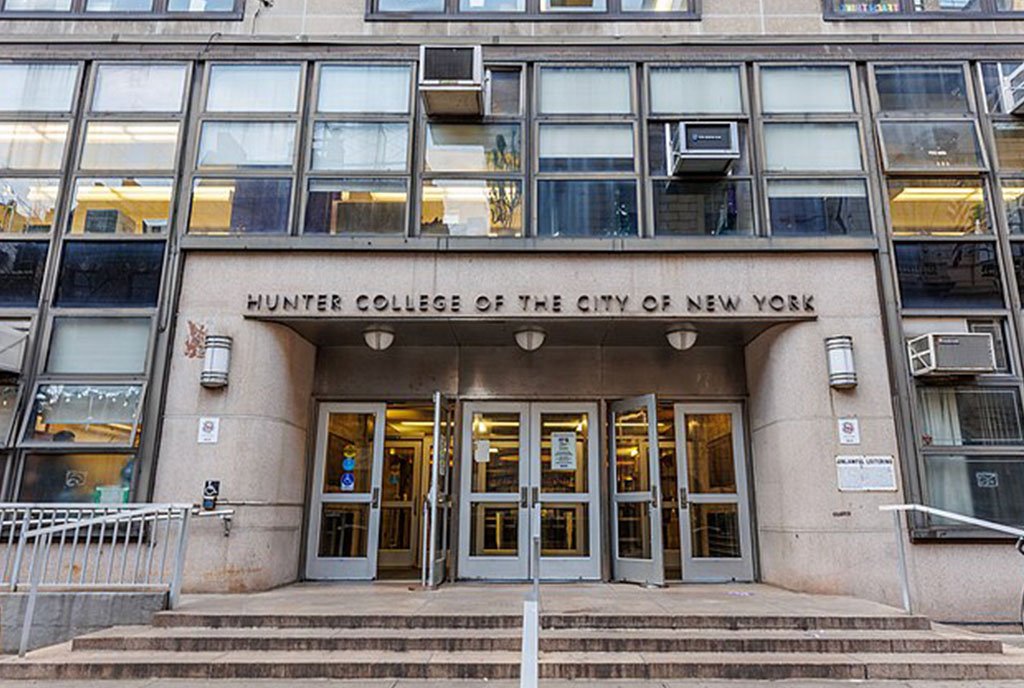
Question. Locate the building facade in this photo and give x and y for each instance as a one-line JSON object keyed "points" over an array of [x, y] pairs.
{"points": [[545, 316]]}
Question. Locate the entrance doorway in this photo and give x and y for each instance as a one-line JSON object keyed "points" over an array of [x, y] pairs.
{"points": [[679, 492], [530, 470], [379, 502]]}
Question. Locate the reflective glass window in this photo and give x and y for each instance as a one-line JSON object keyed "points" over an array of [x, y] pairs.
{"points": [[22, 264], [806, 89], [580, 208], [947, 206], [927, 146], [358, 146], [253, 88], [921, 88], [356, 206], [27, 205], [964, 416], [139, 88], [1013, 201], [696, 90], [410, 5], [200, 5], [573, 5], [985, 487], [37, 87], [492, 5], [943, 274], [822, 147], [1009, 137], [120, 206], [118, 5], [473, 148], [586, 148], [240, 206], [95, 478], [471, 207], [98, 346], [1004, 85], [880, 7], [130, 145], [110, 274], [361, 88], [84, 414], [585, 90], [655, 5], [504, 91], [32, 145], [37, 5], [712, 208], [806, 207], [945, 6], [247, 144]]}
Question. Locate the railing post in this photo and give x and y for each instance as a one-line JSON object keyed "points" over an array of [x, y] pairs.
{"points": [[529, 671], [901, 551], [178, 573], [19, 552], [35, 573]]}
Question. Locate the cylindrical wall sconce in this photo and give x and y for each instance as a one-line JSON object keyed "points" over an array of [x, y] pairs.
{"points": [[216, 361], [842, 369]]}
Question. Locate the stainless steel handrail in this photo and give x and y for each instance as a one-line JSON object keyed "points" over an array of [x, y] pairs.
{"points": [[898, 509], [529, 669]]}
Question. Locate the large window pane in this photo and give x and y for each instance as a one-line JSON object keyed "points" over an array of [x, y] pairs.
{"points": [[110, 274], [84, 414], [356, 206], [8, 407], [240, 206], [655, 5], [247, 144], [882, 7], [22, 264], [32, 145], [364, 88], [1009, 5], [1013, 201], [120, 206], [1009, 138], [921, 88], [573, 5], [358, 146], [37, 5], [818, 207], [470, 207], [963, 416], [945, 6], [938, 207], [254, 88], [986, 487], [37, 87], [812, 147], [410, 5], [96, 478], [139, 88], [98, 345], [806, 89], [492, 5], [931, 146], [585, 90], [200, 5], [949, 275], [586, 148], [130, 145], [696, 90], [118, 5], [27, 206], [505, 90], [703, 208], [576, 208], [473, 148]]}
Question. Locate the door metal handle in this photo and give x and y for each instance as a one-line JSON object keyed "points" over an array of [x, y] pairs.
{"points": [[524, 498], [684, 501], [654, 496], [375, 499], [536, 496]]}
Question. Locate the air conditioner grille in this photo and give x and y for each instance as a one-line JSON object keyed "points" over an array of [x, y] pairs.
{"points": [[448, 64]]}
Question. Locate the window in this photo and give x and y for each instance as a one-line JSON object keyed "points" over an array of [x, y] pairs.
{"points": [[38, 87], [575, 208], [98, 345], [806, 89], [586, 148], [254, 88], [921, 88], [940, 146], [109, 274], [22, 264], [240, 206], [533, 10], [947, 206], [84, 414], [818, 207], [8, 406], [356, 206], [812, 147], [120, 206], [28, 205], [948, 274], [695, 90], [585, 90], [703, 208], [920, 9], [119, 9], [233, 145], [473, 148], [96, 478], [132, 145], [139, 88], [985, 487], [364, 88], [471, 207], [360, 146], [960, 416], [1003, 83], [32, 145]]}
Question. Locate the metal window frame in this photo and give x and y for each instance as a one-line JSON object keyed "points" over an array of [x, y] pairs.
{"points": [[28, 423], [533, 13], [987, 12], [159, 11]]}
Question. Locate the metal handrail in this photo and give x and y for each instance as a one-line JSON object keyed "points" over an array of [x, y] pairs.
{"points": [[528, 667], [901, 550]]}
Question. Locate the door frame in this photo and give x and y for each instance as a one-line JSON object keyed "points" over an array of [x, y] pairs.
{"points": [[720, 569], [345, 568]]}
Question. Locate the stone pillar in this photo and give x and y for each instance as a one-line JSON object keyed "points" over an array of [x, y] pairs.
{"points": [[260, 457]]}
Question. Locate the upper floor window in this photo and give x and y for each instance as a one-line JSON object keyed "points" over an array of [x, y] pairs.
{"points": [[922, 9], [120, 9], [538, 10]]}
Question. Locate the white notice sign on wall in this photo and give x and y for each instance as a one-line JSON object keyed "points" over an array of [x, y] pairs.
{"points": [[482, 451], [866, 473], [849, 431], [209, 431], [563, 451]]}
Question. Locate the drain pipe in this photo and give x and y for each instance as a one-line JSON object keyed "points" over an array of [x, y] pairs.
{"points": [[528, 669]]}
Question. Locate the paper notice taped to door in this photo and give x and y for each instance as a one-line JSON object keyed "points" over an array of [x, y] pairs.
{"points": [[482, 451], [866, 473], [563, 451]]}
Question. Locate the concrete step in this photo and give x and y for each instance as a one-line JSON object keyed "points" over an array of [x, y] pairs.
{"points": [[552, 621], [198, 639], [60, 663]]}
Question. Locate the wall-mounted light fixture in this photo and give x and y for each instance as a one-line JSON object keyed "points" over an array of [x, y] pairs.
{"points": [[378, 337], [842, 369], [681, 337], [530, 338], [216, 361]]}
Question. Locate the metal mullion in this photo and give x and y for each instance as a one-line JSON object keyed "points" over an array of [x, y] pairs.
{"points": [[304, 131], [756, 150]]}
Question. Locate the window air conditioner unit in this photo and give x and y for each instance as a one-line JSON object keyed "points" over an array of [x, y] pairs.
{"points": [[708, 147], [452, 80], [951, 353]]}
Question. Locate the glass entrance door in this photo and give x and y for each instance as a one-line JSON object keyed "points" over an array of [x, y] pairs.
{"points": [[345, 519], [529, 468], [636, 512], [714, 513]]}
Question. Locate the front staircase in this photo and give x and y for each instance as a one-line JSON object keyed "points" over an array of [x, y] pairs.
{"points": [[580, 646]]}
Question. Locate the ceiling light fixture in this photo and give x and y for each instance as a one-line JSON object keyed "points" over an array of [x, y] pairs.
{"points": [[681, 337], [530, 338], [378, 337]]}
